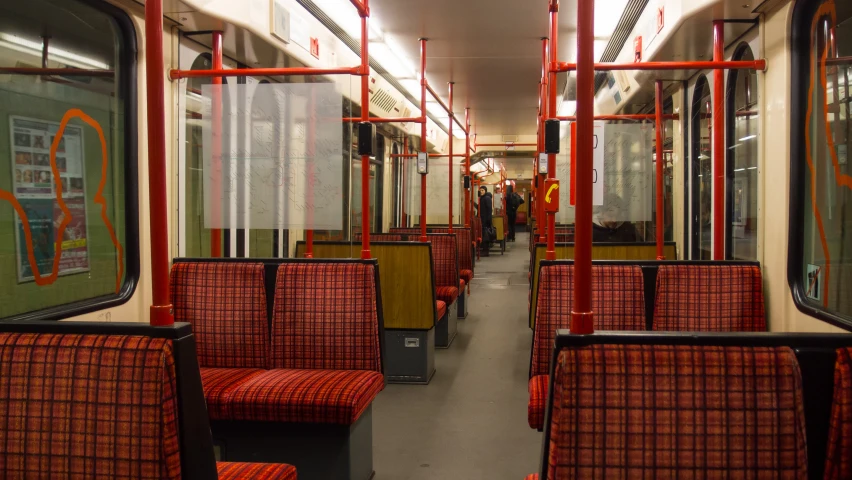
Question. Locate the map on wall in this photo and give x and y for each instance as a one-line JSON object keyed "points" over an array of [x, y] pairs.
{"points": [[35, 186]]}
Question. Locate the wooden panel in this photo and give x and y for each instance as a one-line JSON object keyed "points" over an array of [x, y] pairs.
{"points": [[498, 225], [601, 251], [405, 274]]}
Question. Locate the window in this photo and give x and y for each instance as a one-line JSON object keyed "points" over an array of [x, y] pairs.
{"points": [[702, 167], [820, 262], [68, 220], [743, 129]]}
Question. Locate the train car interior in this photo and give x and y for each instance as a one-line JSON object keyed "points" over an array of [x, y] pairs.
{"points": [[415, 240]]}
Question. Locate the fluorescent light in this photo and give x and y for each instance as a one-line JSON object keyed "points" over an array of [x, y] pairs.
{"points": [[35, 48], [344, 14], [458, 133], [747, 138], [739, 169], [599, 47], [436, 109], [413, 86], [390, 61], [751, 168], [607, 17]]}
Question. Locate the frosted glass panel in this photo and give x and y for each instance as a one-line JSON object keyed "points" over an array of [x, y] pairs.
{"points": [[437, 190], [275, 167]]}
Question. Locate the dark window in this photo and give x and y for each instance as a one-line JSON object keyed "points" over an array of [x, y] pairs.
{"points": [[820, 258], [702, 167], [68, 214]]}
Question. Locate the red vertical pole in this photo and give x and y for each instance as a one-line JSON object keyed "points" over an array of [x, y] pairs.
{"points": [[660, 163], [216, 214], [718, 142], [582, 317], [404, 174], [423, 237], [551, 112], [540, 222], [161, 307], [467, 168], [365, 117], [451, 164]]}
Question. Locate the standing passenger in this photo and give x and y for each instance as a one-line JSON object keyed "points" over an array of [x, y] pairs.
{"points": [[485, 214]]}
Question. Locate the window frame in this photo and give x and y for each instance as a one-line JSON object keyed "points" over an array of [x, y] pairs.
{"points": [[701, 83], [730, 155], [127, 88], [803, 14]]}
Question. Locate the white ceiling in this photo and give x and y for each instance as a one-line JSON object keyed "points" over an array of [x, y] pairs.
{"points": [[492, 51]]}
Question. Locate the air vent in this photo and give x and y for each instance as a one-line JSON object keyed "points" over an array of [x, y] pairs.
{"points": [[383, 100]]}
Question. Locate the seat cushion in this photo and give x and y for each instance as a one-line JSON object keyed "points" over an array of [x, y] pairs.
{"points": [[466, 275], [447, 294], [442, 309], [461, 285], [219, 383], [306, 396], [538, 399], [838, 456], [255, 471], [532, 476]]}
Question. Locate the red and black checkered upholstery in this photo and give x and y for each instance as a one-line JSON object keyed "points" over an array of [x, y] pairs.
{"points": [[709, 298], [382, 237], [325, 317], [654, 411], [86, 406], [445, 263], [838, 461], [442, 309], [255, 471], [538, 400], [306, 396], [463, 243], [226, 304], [219, 384], [617, 300], [532, 476]]}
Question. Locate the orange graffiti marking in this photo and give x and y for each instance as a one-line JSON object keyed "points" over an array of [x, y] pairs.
{"points": [[827, 9], [66, 213]]}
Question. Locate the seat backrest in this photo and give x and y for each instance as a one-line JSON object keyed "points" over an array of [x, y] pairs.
{"points": [[445, 258], [617, 299], [838, 461], [665, 411], [326, 316], [227, 306], [463, 243], [709, 298], [88, 406]]}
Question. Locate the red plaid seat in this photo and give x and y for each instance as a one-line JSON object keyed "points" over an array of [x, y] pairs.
{"points": [[617, 299], [219, 384], [705, 298], [226, 304], [838, 461], [466, 275], [306, 396], [463, 247], [447, 294], [652, 411], [255, 471], [325, 317], [87, 406], [538, 400], [532, 476], [442, 309]]}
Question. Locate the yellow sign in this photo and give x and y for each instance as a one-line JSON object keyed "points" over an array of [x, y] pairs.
{"points": [[550, 190], [69, 244]]}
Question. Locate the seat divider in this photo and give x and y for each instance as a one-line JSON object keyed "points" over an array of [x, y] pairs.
{"points": [[649, 275]]}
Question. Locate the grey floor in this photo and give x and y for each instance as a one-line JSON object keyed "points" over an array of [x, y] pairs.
{"points": [[470, 422]]}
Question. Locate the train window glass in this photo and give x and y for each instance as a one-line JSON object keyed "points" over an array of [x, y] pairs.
{"points": [[702, 167], [198, 237], [821, 233], [68, 226], [742, 160]]}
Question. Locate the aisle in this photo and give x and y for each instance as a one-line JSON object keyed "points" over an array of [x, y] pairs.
{"points": [[471, 421]]}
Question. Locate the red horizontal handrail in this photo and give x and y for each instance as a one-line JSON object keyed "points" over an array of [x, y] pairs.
{"points": [[262, 72], [703, 65]]}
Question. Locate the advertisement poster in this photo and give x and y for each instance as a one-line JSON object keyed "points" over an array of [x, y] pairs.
{"points": [[35, 188]]}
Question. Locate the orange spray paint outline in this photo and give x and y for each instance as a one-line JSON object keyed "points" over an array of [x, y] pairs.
{"points": [[827, 9], [66, 218]]}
